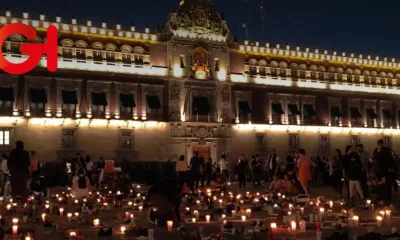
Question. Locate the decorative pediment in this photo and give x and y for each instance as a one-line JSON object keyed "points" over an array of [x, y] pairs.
{"points": [[197, 19]]}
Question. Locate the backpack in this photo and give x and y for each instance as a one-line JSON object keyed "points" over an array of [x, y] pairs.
{"points": [[82, 182]]}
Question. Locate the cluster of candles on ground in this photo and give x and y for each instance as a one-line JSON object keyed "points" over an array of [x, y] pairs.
{"points": [[292, 219], [58, 203]]}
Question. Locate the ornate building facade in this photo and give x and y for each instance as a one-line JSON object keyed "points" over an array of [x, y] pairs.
{"points": [[189, 86]]}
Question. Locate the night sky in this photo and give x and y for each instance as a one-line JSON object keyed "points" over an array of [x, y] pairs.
{"points": [[353, 26]]}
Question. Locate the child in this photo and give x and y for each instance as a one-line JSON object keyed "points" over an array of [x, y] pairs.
{"points": [[38, 185], [80, 184], [289, 187], [276, 185]]}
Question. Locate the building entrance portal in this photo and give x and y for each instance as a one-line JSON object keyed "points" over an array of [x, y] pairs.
{"points": [[203, 151]]}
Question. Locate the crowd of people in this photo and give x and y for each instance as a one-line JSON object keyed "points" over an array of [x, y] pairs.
{"points": [[357, 171]]}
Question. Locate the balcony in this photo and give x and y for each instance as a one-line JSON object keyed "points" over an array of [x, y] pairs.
{"points": [[201, 118]]}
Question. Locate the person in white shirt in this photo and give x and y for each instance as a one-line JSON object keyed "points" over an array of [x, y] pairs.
{"points": [[223, 165], [5, 175]]}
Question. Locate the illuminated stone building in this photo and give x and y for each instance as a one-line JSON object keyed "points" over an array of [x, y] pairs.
{"points": [[121, 93]]}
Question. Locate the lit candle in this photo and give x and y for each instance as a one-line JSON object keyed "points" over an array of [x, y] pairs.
{"points": [[47, 206], [72, 234], [273, 226], [388, 214], [208, 218], [127, 214], [379, 220], [15, 229], [76, 201], [302, 210], [27, 238], [290, 206], [69, 215], [224, 222], [76, 214], [61, 211], [321, 210], [8, 207], [248, 213], [44, 217], [196, 214], [368, 203], [193, 220], [132, 219], [169, 225], [243, 218], [331, 204], [15, 221], [198, 202], [355, 220], [123, 229], [96, 223], [130, 203], [140, 208], [223, 216], [294, 226]]}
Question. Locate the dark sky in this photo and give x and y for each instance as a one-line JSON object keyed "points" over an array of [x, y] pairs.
{"points": [[358, 26]]}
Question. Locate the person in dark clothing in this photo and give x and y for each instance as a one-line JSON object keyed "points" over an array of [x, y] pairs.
{"points": [[18, 164], [355, 175], [272, 164], [240, 170], [396, 161], [38, 185], [346, 159], [165, 196], [195, 164], [208, 171], [335, 172], [256, 166], [384, 162]]}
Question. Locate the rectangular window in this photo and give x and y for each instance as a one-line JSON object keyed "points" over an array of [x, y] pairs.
{"points": [[5, 104], [4, 137], [216, 64]]}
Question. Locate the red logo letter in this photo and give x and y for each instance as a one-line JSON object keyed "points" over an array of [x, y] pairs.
{"points": [[34, 50]]}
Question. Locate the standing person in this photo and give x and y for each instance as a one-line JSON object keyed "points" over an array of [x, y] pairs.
{"points": [[396, 161], [5, 175], [182, 169], [354, 175], [335, 172], [100, 169], [80, 184], [272, 164], [195, 169], [240, 170], [304, 165], [256, 166], [223, 165], [346, 160], [385, 165], [89, 168], [208, 171], [18, 163], [364, 156], [202, 171]]}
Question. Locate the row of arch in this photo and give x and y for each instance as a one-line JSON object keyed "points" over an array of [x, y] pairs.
{"points": [[82, 44], [331, 69]]}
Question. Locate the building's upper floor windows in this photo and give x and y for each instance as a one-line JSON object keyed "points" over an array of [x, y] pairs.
{"points": [[6, 97], [69, 100], [38, 98], [99, 102], [5, 137], [127, 103]]}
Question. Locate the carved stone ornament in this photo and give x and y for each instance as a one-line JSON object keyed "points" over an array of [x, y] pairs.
{"points": [[199, 17], [294, 141], [175, 94], [324, 141], [203, 132], [225, 95]]}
